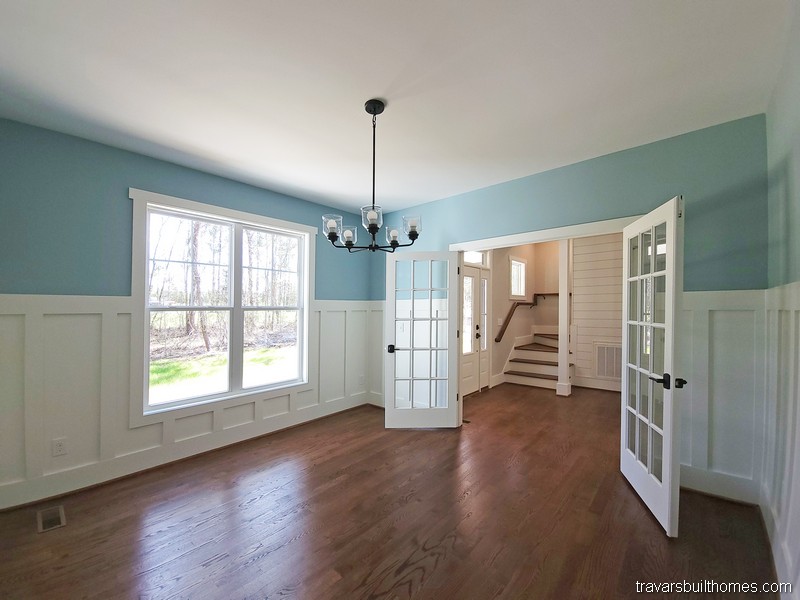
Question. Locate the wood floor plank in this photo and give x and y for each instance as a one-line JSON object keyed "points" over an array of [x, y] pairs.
{"points": [[524, 501]]}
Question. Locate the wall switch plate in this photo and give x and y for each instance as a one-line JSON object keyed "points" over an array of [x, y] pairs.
{"points": [[58, 446]]}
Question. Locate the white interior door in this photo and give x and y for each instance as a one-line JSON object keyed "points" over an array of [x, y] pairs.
{"points": [[421, 321], [649, 451], [469, 341]]}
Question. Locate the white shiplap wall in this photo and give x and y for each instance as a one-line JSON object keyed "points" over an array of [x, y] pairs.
{"points": [[65, 372], [596, 304]]}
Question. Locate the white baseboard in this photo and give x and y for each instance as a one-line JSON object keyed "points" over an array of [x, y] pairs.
{"points": [[597, 384], [496, 380]]}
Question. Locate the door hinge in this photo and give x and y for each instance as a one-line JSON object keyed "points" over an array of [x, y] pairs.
{"points": [[458, 333], [458, 270], [456, 397]]}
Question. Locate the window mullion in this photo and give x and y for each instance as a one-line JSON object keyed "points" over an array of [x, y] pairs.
{"points": [[237, 316]]}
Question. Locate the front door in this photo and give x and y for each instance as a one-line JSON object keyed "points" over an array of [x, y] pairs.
{"points": [[421, 323], [470, 330], [649, 451]]}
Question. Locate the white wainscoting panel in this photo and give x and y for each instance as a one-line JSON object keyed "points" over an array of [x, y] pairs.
{"points": [[720, 353], [65, 367], [780, 484], [12, 398]]}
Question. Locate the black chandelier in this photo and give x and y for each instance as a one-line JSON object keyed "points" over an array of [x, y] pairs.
{"points": [[371, 216]]}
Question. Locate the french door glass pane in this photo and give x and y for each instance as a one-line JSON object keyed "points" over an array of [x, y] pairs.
{"points": [[439, 368], [421, 274], [633, 300], [658, 406], [402, 334], [647, 299], [271, 350], [633, 256], [658, 455], [422, 334], [403, 304], [647, 252], [632, 384], [659, 338], [402, 276], [466, 311], [643, 442], [439, 333], [421, 397], [402, 393], [644, 395], [439, 393], [439, 304], [631, 431], [661, 247], [644, 347], [422, 304], [422, 364], [659, 298], [633, 347], [439, 274], [402, 364], [188, 354]]}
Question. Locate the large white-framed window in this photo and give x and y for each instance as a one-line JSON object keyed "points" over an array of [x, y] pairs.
{"points": [[225, 297], [517, 274]]}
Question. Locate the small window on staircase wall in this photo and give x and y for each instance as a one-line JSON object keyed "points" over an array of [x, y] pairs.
{"points": [[517, 270]]}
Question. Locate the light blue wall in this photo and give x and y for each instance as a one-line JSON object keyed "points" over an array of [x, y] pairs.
{"points": [[721, 171], [783, 141], [65, 216]]}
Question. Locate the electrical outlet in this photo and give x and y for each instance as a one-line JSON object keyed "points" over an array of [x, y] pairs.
{"points": [[58, 446], [500, 322], [361, 380]]}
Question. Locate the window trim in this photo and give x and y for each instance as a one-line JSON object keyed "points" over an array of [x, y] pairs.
{"points": [[524, 263], [140, 412]]}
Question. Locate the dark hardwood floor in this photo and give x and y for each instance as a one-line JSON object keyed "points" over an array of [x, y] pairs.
{"points": [[525, 501]]}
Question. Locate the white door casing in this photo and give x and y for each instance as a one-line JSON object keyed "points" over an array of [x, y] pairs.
{"points": [[653, 281], [420, 327]]}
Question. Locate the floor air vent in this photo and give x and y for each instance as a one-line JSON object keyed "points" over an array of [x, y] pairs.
{"points": [[50, 518]]}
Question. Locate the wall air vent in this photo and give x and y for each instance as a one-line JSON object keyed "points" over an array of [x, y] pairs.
{"points": [[608, 360]]}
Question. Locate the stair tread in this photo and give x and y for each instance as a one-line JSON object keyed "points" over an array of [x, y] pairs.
{"points": [[536, 347], [532, 361], [549, 336], [533, 375]]}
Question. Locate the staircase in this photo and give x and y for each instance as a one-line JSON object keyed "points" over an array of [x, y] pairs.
{"points": [[535, 364]]}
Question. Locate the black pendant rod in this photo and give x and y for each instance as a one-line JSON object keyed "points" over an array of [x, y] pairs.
{"points": [[374, 120]]}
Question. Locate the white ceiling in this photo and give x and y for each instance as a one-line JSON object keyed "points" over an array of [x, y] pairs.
{"points": [[478, 92]]}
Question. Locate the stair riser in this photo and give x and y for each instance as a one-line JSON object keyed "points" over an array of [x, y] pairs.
{"points": [[531, 382], [545, 341], [534, 354], [529, 368]]}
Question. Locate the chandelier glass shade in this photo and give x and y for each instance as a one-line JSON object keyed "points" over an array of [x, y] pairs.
{"points": [[346, 236]]}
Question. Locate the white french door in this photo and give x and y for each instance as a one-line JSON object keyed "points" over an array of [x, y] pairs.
{"points": [[649, 450], [420, 326]]}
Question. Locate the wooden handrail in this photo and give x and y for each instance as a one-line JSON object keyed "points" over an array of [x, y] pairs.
{"points": [[510, 314]]}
